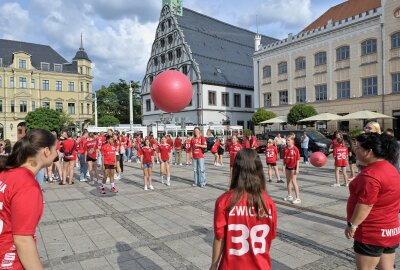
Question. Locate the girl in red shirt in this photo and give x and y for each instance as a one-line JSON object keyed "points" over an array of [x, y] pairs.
{"points": [[108, 152], [164, 151], [21, 199], [291, 161], [154, 144], [188, 149], [147, 163], [373, 205], [118, 157], [340, 154], [234, 148], [214, 150], [91, 158], [245, 218], [271, 154]]}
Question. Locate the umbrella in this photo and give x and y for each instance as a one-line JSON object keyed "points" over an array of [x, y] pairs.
{"points": [[322, 117], [276, 120], [364, 115]]}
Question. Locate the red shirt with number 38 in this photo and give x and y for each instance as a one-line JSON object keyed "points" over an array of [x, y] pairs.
{"points": [[247, 238]]}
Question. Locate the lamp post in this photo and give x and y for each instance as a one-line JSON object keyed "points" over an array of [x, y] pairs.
{"points": [[165, 119], [96, 120], [130, 106]]}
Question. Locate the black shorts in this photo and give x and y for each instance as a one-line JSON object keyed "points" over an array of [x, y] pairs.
{"points": [[109, 167], [90, 159], [56, 159], [272, 164], [373, 251], [117, 158], [291, 169], [220, 151]]}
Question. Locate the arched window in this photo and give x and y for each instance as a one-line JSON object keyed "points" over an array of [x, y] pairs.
{"points": [[178, 52], [162, 43], [282, 68], [320, 58], [395, 40], [170, 39], [170, 56], [155, 61], [343, 53], [162, 26], [368, 46], [162, 58], [300, 63]]}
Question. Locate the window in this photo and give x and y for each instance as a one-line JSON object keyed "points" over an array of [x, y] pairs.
{"points": [[23, 106], [12, 105], [170, 39], [301, 95], [247, 101], [45, 84], [282, 68], [58, 85], [59, 106], [46, 104], [82, 108], [185, 69], [151, 78], [155, 61], [162, 59], [343, 90], [320, 58], [368, 46], [33, 105], [71, 108], [1, 105], [225, 99], [57, 67], [162, 43], [321, 92], [396, 82], [300, 63], [395, 40], [33, 84], [178, 53], [240, 123], [71, 86], [87, 87], [212, 100], [88, 108], [22, 82], [45, 66], [267, 100], [162, 26], [156, 109], [148, 105], [80, 70], [22, 63], [81, 86], [266, 71], [283, 98], [11, 82], [342, 53], [170, 56], [237, 102], [370, 86]]}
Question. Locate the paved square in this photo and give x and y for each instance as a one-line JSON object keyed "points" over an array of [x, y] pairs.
{"points": [[172, 227]]}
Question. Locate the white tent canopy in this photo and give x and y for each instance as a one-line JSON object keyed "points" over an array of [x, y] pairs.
{"points": [[364, 115], [276, 120], [322, 117]]}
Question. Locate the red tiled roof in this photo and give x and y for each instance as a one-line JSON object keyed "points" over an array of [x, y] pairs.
{"points": [[344, 10]]}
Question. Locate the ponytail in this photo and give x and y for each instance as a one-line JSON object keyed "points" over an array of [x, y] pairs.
{"points": [[28, 147], [382, 145]]}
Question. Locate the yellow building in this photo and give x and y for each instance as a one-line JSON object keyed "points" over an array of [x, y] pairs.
{"points": [[346, 61], [34, 76]]}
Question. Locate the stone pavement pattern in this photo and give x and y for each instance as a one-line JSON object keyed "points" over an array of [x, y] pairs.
{"points": [[172, 227]]}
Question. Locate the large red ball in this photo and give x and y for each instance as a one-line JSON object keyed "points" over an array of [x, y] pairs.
{"points": [[171, 91], [318, 159]]}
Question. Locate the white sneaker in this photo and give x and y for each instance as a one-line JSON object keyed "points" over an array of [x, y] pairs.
{"points": [[297, 201], [288, 198], [162, 180], [335, 185], [83, 180], [145, 188], [168, 183], [151, 187]]}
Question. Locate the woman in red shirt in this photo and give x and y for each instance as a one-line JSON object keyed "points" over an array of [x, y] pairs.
{"points": [[188, 149], [147, 163], [234, 148], [69, 157], [178, 150], [245, 218], [164, 152], [214, 150], [291, 161], [197, 145], [271, 154], [91, 158], [21, 201], [108, 152], [373, 205], [340, 154]]}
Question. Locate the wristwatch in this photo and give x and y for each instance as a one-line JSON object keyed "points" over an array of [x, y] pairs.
{"points": [[351, 225]]}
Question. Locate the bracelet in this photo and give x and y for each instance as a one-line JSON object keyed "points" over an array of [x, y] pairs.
{"points": [[351, 225]]}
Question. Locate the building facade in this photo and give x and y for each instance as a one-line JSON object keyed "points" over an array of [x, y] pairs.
{"points": [[34, 76], [346, 61], [216, 57]]}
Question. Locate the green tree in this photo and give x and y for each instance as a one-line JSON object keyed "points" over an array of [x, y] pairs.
{"points": [[299, 112], [43, 118], [261, 115], [108, 121], [247, 132], [66, 120]]}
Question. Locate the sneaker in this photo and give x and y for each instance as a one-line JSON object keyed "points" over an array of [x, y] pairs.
{"points": [[103, 191], [118, 177], [180, 164], [114, 190], [145, 187], [151, 187], [297, 201], [203, 185], [162, 180], [168, 183], [280, 181], [335, 185], [83, 180], [269, 180], [288, 198], [194, 185]]}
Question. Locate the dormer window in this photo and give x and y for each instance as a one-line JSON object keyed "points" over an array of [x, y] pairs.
{"points": [[178, 52], [162, 59], [22, 64], [170, 39], [162, 43], [57, 67], [44, 66], [156, 61]]}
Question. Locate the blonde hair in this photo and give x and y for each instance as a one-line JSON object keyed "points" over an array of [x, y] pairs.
{"points": [[375, 127], [270, 141], [291, 137]]}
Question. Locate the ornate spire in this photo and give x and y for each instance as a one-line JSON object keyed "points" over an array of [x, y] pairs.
{"points": [[81, 48]]}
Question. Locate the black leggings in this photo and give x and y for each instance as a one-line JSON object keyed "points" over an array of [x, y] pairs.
{"points": [[121, 162]]}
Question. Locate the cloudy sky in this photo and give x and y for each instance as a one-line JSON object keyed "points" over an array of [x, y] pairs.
{"points": [[118, 34]]}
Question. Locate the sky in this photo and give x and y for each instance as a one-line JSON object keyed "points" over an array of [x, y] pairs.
{"points": [[118, 34]]}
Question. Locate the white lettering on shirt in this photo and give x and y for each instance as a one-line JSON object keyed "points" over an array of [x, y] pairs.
{"points": [[248, 211], [2, 187], [390, 232]]}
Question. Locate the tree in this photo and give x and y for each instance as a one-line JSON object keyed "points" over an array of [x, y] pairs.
{"points": [[261, 115], [299, 112], [108, 121], [66, 120], [43, 118]]}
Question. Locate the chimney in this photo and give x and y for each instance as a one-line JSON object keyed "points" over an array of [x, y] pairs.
{"points": [[257, 42]]}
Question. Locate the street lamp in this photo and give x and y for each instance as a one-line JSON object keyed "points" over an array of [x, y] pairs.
{"points": [[166, 119], [130, 106]]}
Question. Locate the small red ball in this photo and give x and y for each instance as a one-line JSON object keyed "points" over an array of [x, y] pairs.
{"points": [[171, 91], [318, 159]]}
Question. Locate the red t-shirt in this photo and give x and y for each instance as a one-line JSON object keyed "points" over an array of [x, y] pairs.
{"points": [[77, 145], [69, 146], [100, 141], [21, 207], [271, 154], [378, 185], [130, 141], [117, 145], [214, 148], [178, 143], [147, 153], [340, 154], [197, 151], [164, 150], [188, 145], [154, 144], [108, 153], [291, 156], [82, 146], [247, 238], [91, 146], [246, 144], [233, 150], [253, 142], [58, 145], [170, 142], [335, 143]]}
